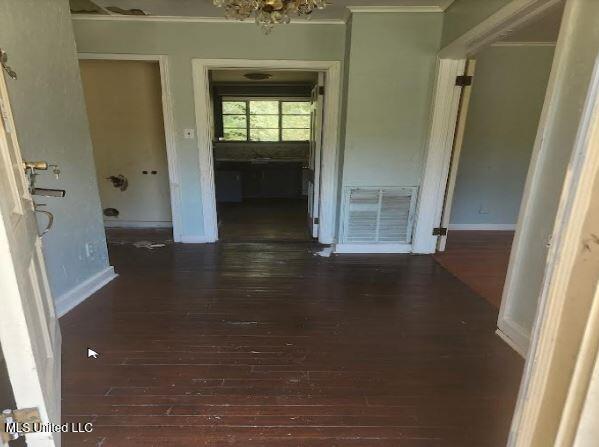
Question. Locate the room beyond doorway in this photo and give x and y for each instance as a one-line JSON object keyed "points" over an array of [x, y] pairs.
{"points": [[130, 114], [281, 220], [266, 142], [207, 136]]}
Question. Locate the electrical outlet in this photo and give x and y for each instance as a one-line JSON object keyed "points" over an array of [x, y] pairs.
{"points": [[188, 134]]}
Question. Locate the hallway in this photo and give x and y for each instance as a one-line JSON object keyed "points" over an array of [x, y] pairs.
{"points": [[263, 345]]}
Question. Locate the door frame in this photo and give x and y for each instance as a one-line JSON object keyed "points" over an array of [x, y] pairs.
{"points": [[551, 338], [330, 134], [452, 62], [454, 162], [169, 127]]}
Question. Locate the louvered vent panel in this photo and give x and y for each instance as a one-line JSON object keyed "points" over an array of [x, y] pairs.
{"points": [[379, 215], [363, 215]]}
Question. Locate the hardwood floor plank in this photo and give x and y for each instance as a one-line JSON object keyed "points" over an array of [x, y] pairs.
{"points": [[480, 259], [265, 344]]}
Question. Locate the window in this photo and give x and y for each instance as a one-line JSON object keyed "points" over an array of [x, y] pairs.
{"points": [[266, 120]]}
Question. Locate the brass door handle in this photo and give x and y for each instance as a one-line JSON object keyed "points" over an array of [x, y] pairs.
{"points": [[48, 192], [48, 214], [37, 165]]}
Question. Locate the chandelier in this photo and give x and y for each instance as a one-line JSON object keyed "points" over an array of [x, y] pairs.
{"points": [[269, 12]]}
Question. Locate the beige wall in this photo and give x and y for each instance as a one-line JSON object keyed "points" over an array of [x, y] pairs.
{"points": [[124, 106]]}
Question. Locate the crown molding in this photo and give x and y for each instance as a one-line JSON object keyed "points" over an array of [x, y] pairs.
{"points": [[524, 44], [360, 9], [184, 19]]}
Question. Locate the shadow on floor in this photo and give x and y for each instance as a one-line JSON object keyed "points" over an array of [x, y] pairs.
{"points": [[480, 260], [257, 220]]}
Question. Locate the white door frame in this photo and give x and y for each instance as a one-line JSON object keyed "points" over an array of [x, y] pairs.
{"points": [[451, 63], [454, 162], [169, 127], [330, 136], [445, 109], [550, 335]]}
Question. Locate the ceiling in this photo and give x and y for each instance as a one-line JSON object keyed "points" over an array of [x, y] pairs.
{"points": [[205, 8], [277, 76], [545, 28]]}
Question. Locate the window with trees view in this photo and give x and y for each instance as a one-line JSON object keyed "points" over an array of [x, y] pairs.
{"points": [[266, 120]]}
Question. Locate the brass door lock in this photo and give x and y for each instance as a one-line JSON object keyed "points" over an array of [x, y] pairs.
{"points": [[31, 171]]}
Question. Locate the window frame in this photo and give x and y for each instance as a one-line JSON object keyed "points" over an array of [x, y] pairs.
{"points": [[280, 100]]}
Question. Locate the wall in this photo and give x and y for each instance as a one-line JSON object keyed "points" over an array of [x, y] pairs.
{"points": [[183, 41], [579, 43], [124, 106], [463, 15], [51, 122], [505, 106], [389, 91]]}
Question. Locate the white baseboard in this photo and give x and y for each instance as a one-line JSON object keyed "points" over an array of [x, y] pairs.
{"points": [[483, 227], [69, 300], [136, 224], [373, 248], [192, 239], [514, 335]]}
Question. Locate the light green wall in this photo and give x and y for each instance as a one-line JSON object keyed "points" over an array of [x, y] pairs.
{"points": [[580, 39], [391, 68], [183, 41], [51, 122], [505, 106], [463, 15]]}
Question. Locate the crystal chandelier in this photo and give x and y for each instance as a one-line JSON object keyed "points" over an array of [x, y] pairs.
{"points": [[269, 12]]}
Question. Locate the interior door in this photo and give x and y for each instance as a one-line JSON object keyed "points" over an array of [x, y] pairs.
{"points": [[315, 156], [455, 156], [29, 331]]}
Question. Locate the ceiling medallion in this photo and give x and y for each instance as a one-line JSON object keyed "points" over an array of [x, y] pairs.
{"points": [[269, 12]]}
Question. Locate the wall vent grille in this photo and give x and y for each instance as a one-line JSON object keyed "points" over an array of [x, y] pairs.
{"points": [[382, 215]]}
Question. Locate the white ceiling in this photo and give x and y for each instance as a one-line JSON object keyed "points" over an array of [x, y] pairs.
{"points": [[205, 8]]}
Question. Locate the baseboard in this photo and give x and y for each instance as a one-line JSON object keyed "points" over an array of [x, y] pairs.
{"points": [[514, 335], [483, 227], [69, 300], [136, 224], [373, 248], [192, 239]]}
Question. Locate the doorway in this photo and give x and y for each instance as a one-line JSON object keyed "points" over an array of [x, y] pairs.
{"points": [[128, 113], [266, 150], [525, 118], [500, 109], [321, 211]]}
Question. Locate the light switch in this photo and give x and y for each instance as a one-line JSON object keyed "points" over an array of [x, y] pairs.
{"points": [[188, 134]]}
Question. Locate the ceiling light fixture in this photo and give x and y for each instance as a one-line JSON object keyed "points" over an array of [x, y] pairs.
{"points": [[257, 76], [269, 12]]}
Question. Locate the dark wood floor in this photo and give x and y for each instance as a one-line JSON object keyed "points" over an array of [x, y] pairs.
{"points": [[259, 220], [265, 344], [480, 260]]}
